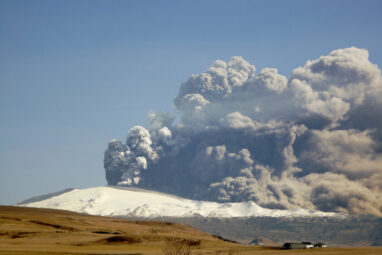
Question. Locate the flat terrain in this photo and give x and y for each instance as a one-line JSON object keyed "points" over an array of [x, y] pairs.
{"points": [[45, 231]]}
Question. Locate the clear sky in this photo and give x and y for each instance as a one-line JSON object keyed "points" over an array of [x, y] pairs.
{"points": [[75, 74]]}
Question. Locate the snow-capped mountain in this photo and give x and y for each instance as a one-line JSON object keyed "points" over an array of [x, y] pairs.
{"points": [[133, 202]]}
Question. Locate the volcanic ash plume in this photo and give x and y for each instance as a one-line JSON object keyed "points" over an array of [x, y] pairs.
{"points": [[312, 140]]}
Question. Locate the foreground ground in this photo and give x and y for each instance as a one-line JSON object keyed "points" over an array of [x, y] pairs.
{"points": [[45, 231]]}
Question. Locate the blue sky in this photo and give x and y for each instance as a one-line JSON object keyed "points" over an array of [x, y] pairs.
{"points": [[75, 74]]}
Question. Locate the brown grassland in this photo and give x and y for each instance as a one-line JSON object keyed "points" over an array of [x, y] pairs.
{"points": [[45, 231]]}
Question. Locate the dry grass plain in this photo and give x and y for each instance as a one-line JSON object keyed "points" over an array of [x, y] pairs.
{"points": [[45, 231]]}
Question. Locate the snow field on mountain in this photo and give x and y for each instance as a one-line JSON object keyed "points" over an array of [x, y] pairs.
{"points": [[133, 202]]}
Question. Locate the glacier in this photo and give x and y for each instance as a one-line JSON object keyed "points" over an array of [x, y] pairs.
{"points": [[135, 202]]}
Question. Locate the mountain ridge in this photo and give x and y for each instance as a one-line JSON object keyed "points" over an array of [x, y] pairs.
{"points": [[136, 202], [267, 224]]}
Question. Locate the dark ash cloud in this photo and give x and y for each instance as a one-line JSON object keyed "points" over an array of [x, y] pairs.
{"points": [[313, 140]]}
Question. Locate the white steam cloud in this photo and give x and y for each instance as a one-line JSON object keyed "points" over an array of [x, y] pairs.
{"points": [[313, 140]]}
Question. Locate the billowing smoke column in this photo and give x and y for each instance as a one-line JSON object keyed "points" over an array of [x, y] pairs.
{"points": [[311, 141]]}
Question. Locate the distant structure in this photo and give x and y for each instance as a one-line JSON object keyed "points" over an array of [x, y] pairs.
{"points": [[257, 242], [289, 246], [308, 245], [303, 245]]}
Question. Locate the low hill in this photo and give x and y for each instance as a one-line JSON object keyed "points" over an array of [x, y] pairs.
{"points": [[35, 231], [47, 231]]}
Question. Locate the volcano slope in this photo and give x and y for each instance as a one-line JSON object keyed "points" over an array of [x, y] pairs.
{"points": [[47, 231]]}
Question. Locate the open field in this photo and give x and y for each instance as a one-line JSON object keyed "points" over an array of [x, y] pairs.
{"points": [[44, 231]]}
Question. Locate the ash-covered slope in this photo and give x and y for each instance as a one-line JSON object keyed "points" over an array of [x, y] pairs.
{"points": [[353, 230], [133, 202]]}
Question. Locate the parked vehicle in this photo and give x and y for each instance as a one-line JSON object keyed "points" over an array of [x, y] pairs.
{"points": [[308, 245]]}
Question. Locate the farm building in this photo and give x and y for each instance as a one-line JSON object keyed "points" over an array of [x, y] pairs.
{"points": [[303, 245], [289, 246], [320, 245], [308, 244]]}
